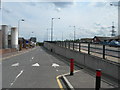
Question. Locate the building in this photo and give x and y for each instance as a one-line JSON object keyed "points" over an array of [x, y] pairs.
{"points": [[116, 38], [86, 40], [98, 39], [33, 39], [22, 43]]}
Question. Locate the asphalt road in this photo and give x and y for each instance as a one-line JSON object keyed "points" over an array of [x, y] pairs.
{"points": [[34, 69]]}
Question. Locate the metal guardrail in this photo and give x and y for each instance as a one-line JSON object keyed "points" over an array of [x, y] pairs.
{"points": [[103, 50]]}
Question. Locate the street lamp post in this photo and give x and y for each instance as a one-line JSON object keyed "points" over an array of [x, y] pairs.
{"points": [[47, 35], [74, 32], [18, 32], [52, 28], [19, 25]]}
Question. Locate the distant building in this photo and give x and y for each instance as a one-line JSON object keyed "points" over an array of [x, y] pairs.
{"points": [[86, 40], [98, 39], [116, 38], [22, 42], [33, 39]]}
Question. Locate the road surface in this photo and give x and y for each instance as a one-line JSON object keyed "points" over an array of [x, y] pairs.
{"points": [[34, 69]]}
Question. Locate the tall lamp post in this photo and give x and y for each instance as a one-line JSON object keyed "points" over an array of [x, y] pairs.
{"points": [[20, 46], [19, 24], [117, 5], [52, 28], [74, 32], [47, 35]]}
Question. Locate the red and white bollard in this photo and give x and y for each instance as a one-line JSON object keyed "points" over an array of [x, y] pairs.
{"points": [[71, 66], [98, 79]]}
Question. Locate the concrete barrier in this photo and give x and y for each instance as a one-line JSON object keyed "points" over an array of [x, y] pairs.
{"points": [[109, 68]]}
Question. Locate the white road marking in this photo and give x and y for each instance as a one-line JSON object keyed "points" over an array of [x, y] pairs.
{"points": [[36, 64], [19, 74], [55, 65], [32, 57], [14, 65], [17, 77], [57, 70], [69, 84]]}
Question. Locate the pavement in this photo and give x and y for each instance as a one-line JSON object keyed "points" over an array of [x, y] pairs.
{"points": [[82, 80], [13, 53], [41, 69]]}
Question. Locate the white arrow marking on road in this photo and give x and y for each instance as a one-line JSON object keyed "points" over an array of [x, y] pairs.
{"points": [[36, 64], [14, 65], [55, 65]]}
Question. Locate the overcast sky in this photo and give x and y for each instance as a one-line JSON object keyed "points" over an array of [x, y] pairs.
{"points": [[90, 18]]}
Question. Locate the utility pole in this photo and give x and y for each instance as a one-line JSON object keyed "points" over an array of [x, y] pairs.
{"points": [[118, 6], [52, 28], [47, 34], [113, 29], [74, 32], [62, 36]]}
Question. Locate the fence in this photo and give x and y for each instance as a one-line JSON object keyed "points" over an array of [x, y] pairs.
{"points": [[103, 51]]}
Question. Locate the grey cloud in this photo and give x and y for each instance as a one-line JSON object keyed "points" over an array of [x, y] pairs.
{"points": [[6, 10], [31, 4], [99, 4], [62, 4]]}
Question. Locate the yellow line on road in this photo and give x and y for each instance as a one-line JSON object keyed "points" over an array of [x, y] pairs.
{"points": [[59, 83]]}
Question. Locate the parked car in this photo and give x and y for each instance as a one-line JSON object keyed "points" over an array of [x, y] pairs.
{"points": [[114, 44], [104, 43]]}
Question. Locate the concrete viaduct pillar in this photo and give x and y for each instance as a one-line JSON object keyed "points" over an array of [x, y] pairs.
{"points": [[4, 36], [14, 37]]}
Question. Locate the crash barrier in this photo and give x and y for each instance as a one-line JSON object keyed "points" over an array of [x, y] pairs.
{"points": [[102, 50], [109, 68]]}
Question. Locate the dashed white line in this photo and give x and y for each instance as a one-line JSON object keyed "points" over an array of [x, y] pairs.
{"points": [[17, 77], [19, 73]]}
